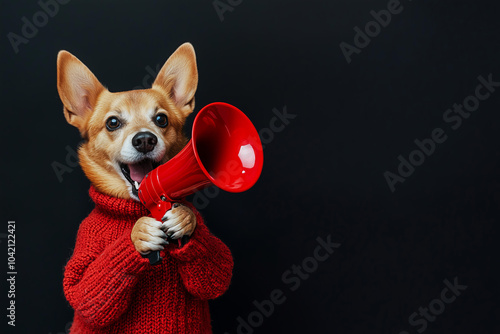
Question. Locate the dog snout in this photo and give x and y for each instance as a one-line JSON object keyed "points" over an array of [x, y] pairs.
{"points": [[144, 142]]}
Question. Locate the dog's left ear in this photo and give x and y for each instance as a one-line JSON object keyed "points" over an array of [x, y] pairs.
{"points": [[179, 78]]}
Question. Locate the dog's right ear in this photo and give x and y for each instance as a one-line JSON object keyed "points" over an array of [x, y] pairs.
{"points": [[78, 89]]}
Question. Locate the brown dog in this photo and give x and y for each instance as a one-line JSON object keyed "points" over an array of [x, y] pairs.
{"points": [[129, 133], [112, 288]]}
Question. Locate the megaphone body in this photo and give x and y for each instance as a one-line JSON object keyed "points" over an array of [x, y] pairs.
{"points": [[225, 151]]}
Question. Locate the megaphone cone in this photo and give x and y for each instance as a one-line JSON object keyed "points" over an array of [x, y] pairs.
{"points": [[225, 150]]}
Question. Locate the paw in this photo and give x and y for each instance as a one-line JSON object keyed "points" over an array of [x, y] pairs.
{"points": [[147, 235], [179, 221]]}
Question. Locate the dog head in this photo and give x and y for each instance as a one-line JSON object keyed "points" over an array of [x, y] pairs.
{"points": [[127, 134]]}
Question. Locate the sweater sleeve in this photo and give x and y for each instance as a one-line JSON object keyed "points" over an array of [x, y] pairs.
{"points": [[205, 262], [99, 283]]}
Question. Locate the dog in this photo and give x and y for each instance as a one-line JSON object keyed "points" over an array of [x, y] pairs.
{"points": [[108, 281]]}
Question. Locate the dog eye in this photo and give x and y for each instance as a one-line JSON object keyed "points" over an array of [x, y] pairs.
{"points": [[161, 120], [113, 123]]}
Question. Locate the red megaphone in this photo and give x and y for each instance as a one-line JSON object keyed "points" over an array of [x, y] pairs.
{"points": [[225, 150]]}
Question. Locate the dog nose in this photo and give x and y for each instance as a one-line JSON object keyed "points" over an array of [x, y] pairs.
{"points": [[144, 142]]}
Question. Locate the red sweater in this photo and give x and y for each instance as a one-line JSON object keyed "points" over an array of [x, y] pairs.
{"points": [[114, 290]]}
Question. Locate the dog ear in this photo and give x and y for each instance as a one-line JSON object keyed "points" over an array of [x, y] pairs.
{"points": [[78, 89], [179, 78]]}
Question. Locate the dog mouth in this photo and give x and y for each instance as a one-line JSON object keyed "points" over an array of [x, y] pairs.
{"points": [[135, 172]]}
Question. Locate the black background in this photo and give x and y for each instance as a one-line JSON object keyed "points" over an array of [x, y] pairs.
{"points": [[323, 174]]}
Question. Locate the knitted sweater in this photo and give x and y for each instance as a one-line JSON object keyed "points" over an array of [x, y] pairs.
{"points": [[114, 290]]}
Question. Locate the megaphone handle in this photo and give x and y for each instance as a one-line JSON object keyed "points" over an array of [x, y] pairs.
{"points": [[154, 257]]}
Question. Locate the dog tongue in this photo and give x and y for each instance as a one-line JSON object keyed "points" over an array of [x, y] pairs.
{"points": [[139, 170]]}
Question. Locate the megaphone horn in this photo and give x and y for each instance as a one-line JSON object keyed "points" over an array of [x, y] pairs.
{"points": [[225, 151]]}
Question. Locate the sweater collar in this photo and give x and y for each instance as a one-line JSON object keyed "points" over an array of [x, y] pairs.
{"points": [[117, 206]]}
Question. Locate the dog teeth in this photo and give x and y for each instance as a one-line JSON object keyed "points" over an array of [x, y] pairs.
{"points": [[136, 185]]}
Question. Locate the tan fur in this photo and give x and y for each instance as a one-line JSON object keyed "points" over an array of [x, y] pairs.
{"points": [[87, 106]]}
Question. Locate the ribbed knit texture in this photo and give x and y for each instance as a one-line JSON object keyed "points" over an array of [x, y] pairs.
{"points": [[114, 290]]}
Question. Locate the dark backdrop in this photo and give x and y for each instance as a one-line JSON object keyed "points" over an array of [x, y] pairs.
{"points": [[324, 171]]}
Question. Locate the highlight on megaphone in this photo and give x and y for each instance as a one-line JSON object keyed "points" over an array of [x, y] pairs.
{"points": [[225, 151]]}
